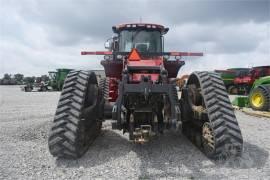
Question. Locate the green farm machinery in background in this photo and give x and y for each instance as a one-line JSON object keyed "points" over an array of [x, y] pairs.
{"points": [[240, 80], [55, 83], [259, 96], [57, 78], [228, 76]]}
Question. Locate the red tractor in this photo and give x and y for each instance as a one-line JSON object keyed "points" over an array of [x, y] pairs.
{"points": [[244, 81], [139, 94]]}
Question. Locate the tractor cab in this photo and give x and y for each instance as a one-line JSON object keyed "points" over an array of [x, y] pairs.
{"points": [[145, 38], [52, 75], [260, 71], [140, 45]]}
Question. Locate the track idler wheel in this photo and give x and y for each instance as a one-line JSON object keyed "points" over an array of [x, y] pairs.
{"points": [[208, 117], [78, 117], [208, 138]]}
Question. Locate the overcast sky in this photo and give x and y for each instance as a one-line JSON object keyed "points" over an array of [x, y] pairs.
{"points": [[37, 36]]}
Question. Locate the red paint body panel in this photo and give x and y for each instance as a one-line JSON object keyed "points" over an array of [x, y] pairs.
{"points": [[185, 54], [173, 67], [156, 62], [144, 63], [137, 77], [244, 80], [112, 68], [113, 89], [96, 53]]}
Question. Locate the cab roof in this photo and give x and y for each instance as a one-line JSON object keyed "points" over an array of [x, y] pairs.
{"points": [[148, 26], [260, 67]]}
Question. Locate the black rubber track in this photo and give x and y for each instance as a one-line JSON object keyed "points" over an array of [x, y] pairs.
{"points": [[227, 134], [265, 90], [72, 131], [104, 85]]}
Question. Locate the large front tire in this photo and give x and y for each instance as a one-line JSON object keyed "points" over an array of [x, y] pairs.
{"points": [[259, 98], [77, 120]]}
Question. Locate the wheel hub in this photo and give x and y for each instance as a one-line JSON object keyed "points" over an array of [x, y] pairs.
{"points": [[257, 100]]}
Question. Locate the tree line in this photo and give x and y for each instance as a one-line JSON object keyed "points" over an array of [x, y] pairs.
{"points": [[20, 79]]}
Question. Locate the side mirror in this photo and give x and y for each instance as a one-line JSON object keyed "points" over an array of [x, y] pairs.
{"points": [[108, 44]]}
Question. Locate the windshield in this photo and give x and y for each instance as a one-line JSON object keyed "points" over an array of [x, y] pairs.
{"points": [[52, 75], [142, 40]]}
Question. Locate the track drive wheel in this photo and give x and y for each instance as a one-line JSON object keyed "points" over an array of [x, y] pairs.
{"points": [[208, 117], [259, 98], [78, 116]]}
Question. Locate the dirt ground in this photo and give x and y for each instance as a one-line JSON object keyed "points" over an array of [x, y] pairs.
{"points": [[25, 119]]}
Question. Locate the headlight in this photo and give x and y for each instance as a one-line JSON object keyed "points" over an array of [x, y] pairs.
{"points": [[166, 57], [107, 57], [119, 56], [177, 57]]}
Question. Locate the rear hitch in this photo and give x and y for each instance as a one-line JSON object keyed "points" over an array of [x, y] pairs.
{"points": [[142, 135]]}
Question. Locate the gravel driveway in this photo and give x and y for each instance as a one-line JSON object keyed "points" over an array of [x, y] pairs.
{"points": [[25, 119]]}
